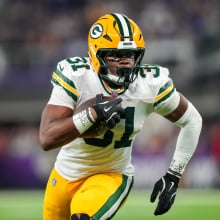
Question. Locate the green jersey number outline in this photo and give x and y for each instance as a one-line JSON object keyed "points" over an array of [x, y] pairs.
{"points": [[78, 62], [149, 68], [107, 139]]}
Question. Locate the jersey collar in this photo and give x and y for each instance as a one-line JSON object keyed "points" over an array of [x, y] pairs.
{"points": [[111, 91]]}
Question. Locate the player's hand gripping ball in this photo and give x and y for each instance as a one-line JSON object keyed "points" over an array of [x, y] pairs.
{"points": [[108, 110]]}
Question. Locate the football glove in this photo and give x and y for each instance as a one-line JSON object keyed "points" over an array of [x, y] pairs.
{"points": [[108, 111], [166, 188]]}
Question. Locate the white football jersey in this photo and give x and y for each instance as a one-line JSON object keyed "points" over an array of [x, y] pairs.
{"points": [[74, 82]]}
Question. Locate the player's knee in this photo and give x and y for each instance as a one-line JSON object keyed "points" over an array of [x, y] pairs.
{"points": [[81, 217]]}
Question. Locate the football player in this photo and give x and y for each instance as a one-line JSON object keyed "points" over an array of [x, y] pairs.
{"points": [[93, 176]]}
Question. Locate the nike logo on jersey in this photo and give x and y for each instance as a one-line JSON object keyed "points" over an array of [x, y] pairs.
{"points": [[61, 68]]}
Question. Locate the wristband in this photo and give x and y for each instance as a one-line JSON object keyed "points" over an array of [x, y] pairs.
{"points": [[174, 173], [83, 120], [176, 168]]}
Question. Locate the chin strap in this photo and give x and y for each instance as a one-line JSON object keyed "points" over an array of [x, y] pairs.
{"points": [[125, 72]]}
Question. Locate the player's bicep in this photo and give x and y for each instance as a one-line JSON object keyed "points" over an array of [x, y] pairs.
{"points": [[179, 111], [52, 113], [56, 127]]}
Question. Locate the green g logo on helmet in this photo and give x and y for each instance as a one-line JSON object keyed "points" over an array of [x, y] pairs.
{"points": [[96, 31]]}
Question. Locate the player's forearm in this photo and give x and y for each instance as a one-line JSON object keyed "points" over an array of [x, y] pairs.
{"points": [[57, 133], [187, 141]]}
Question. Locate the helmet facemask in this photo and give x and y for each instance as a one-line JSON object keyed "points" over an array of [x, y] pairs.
{"points": [[123, 75]]}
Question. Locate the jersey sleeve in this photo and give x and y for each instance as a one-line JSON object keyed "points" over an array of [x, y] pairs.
{"points": [[67, 80], [59, 97], [62, 77]]}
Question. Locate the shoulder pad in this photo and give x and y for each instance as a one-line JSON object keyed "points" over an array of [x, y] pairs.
{"points": [[157, 78]]}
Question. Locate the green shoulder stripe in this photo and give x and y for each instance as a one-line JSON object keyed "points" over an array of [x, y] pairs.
{"points": [[61, 80], [165, 92]]}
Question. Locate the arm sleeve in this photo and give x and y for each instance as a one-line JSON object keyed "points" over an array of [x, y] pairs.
{"points": [[187, 141]]}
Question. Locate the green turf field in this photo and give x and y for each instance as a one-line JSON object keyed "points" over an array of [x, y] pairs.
{"points": [[189, 205]]}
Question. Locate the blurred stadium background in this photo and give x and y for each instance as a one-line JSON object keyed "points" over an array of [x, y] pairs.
{"points": [[183, 35]]}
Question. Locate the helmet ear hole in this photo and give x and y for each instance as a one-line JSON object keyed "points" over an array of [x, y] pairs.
{"points": [[140, 37]]}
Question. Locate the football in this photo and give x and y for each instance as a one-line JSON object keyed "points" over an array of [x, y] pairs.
{"points": [[97, 128]]}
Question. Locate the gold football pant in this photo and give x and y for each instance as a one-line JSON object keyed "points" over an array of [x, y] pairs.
{"points": [[99, 196]]}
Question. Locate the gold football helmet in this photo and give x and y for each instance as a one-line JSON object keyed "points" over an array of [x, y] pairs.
{"points": [[112, 34]]}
